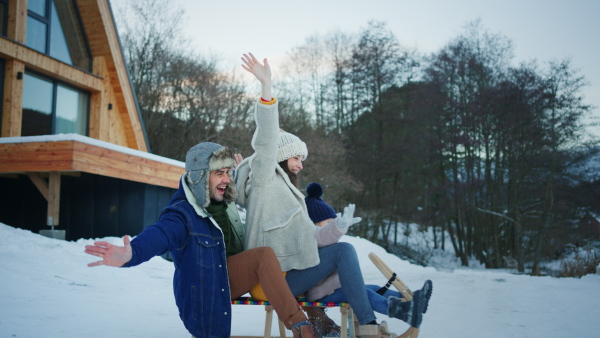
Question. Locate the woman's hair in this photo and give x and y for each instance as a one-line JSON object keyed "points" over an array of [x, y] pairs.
{"points": [[293, 177]]}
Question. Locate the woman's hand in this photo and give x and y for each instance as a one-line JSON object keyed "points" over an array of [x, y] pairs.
{"points": [[237, 159], [261, 71]]}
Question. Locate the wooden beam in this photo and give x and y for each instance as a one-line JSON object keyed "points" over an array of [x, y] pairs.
{"points": [[51, 192], [106, 162], [49, 66], [12, 105], [99, 115], [16, 27], [40, 183], [53, 198]]}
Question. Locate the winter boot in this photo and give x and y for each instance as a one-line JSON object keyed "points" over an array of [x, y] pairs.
{"points": [[324, 326], [410, 312], [428, 290], [375, 331], [303, 330]]}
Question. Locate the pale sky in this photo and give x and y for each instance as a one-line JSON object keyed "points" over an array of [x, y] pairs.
{"points": [[540, 29]]}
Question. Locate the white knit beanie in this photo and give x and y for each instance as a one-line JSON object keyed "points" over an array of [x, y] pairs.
{"points": [[289, 146]]}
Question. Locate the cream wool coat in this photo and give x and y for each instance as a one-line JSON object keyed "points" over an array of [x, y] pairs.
{"points": [[276, 214]]}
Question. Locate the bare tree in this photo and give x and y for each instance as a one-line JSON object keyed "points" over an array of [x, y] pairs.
{"points": [[151, 33], [464, 71], [339, 48], [564, 111], [379, 63], [184, 97], [480, 150], [304, 84]]}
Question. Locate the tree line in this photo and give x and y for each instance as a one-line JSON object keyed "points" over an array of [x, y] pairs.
{"points": [[493, 156]]}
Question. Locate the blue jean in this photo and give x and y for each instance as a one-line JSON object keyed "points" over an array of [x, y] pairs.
{"points": [[378, 302], [341, 257]]}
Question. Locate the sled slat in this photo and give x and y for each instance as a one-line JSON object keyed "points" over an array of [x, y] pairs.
{"points": [[412, 332]]}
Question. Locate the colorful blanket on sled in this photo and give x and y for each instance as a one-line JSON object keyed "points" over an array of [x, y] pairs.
{"points": [[301, 301]]}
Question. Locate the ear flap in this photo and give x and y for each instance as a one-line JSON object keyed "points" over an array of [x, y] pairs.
{"points": [[231, 191], [195, 176], [198, 184]]}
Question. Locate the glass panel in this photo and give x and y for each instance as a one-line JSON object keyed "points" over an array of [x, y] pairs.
{"points": [[37, 6], [68, 41], [3, 7], [36, 34], [37, 106], [1, 91], [71, 111], [58, 43]]}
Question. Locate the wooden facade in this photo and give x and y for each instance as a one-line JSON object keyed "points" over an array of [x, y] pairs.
{"points": [[47, 164]]}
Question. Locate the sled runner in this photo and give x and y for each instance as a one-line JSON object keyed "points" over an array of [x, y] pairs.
{"points": [[393, 279]]}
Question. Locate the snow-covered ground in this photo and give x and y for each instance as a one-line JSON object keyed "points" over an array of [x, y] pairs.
{"points": [[46, 290]]}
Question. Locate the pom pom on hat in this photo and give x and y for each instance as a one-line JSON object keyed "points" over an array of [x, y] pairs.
{"points": [[318, 210], [290, 145], [314, 190]]}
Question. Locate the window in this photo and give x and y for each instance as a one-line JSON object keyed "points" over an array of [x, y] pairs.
{"points": [[50, 107], [71, 111], [3, 16], [54, 28], [1, 92]]}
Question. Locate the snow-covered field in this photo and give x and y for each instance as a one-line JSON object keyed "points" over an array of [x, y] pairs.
{"points": [[46, 290]]}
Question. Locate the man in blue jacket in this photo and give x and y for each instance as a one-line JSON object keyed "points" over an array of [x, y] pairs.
{"points": [[202, 230]]}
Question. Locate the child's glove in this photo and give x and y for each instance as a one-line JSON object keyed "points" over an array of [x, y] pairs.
{"points": [[345, 220]]}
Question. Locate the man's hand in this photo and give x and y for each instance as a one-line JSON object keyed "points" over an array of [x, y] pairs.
{"points": [[347, 219], [112, 255]]}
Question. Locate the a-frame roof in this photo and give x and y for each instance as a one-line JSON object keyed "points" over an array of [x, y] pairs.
{"points": [[103, 40]]}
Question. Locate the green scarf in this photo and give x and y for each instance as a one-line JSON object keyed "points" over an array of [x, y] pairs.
{"points": [[233, 243]]}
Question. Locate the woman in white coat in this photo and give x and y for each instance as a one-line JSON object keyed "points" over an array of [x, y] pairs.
{"points": [[276, 216]]}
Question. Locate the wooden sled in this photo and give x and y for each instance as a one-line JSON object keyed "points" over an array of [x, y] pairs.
{"points": [[347, 329], [407, 295]]}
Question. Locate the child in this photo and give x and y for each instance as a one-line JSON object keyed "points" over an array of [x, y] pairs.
{"points": [[329, 289]]}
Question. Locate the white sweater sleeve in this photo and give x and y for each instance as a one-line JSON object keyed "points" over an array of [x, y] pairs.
{"points": [[329, 234]]}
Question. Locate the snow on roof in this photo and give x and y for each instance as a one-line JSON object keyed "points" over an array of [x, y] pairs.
{"points": [[91, 141]]}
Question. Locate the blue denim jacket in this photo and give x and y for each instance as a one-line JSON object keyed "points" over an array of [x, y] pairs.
{"points": [[200, 283]]}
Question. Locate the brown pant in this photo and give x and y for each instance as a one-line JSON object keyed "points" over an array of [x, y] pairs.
{"points": [[260, 265]]}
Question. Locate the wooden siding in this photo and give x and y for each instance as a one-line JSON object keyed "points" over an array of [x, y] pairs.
{"points": [[106, 122], [74, 156], [49, 66]]}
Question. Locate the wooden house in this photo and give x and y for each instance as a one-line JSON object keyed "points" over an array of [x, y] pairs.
{"points": [[74, 155]]}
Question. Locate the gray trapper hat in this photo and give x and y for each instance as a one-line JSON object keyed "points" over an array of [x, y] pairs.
{"points": [[200, 160]]}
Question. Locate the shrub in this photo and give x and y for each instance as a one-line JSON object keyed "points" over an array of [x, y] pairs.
{"points": [[581, 263]]}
